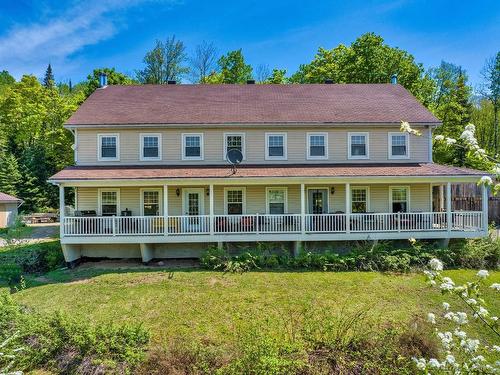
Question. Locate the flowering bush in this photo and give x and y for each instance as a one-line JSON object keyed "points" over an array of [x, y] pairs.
{"points": [[463, 355]]}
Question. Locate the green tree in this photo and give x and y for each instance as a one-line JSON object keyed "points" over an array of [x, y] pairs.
{"points": [[445, 76], [455, 111], [48, 79], [367, 60], [114, 78], [10, 176], [165, 62], [277, 77], [233, 68], [491, 91], [6, 78]]}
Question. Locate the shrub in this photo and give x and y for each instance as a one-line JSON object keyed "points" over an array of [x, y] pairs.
{"points": [[34, 258], [62, 344], [383, 256], [11, 273]]}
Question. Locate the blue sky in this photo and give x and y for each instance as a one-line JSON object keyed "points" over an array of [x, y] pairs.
{"points": [[78, 36]]}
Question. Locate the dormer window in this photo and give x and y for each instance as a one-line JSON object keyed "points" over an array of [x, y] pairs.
{"points": [[317, 146], [192, 146], [358, 146], [108, 147], [398, 146], [276, 146], [150, 146]]}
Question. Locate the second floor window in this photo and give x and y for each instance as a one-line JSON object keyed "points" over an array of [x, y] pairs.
{"points": [[108, 147], [192, 146], [358, 145], [150, 147], [317, 146], [234, 141], [275, 146], [398, 146]]}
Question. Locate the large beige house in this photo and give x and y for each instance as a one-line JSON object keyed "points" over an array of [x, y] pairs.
{"points": [[321, 163]]}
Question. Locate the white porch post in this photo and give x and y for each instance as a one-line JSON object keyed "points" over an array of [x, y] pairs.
{"points": [[61, 210], [303, 208], [448, 206], [348, 208], [165, 210], [212, 216], [484, 193]]}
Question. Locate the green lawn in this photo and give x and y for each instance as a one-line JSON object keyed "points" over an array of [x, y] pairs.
{"points": [[212, 305]]}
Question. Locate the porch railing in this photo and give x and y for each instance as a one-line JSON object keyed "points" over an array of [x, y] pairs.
{"points": [[262, 224]]}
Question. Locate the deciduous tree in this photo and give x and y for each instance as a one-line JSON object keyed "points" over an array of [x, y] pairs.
{"points": [[203, 62]]}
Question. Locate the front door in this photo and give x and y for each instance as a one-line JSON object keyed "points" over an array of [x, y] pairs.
{"points": [[318, 201], [193, 202]]}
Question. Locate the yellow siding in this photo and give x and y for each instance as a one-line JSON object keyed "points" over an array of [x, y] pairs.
{"points": [[256, 198], [255, 145]]}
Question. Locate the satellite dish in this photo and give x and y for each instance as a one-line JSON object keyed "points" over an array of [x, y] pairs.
{"points": [[234, 157]]}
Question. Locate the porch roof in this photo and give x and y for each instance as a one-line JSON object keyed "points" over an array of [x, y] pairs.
{"points": [[89, 173]]}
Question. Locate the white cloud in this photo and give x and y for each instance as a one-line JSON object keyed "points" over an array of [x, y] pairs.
{"points": [[28, 48]]}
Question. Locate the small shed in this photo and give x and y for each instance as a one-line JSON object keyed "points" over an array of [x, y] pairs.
{"points": [[8, 209]]}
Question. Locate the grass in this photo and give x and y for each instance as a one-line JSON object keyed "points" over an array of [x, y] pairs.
{"points": [[213, 306]]}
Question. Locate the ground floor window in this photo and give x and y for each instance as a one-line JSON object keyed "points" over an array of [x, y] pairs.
{"points": [[276, 200], [359, 200], [399, 199], [109, 201], [151, 202], [235, 201]]}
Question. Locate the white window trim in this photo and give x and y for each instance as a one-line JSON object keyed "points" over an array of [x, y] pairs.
{"points": [[99, 145], [368, 203], [142, 136], [408, 200], [309, 157], [269, 188], [160, 199], [389, 142], [184, 157], [356, 157], [285, 154], [244, 195], [99, 200], [243, 144]]}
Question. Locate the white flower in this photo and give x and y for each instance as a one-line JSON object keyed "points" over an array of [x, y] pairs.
{"points": [[420, 362], [433, 362], [446, 339], [450, 141], [495, 286], [406, 128], [435, 264], [450, 359], [449, 315], [495, 348], [471, 301], [446, 306], [479, 358], [485, 180], [470, 345], [483, 274], [447, 284], [439, 138], [471, 128], [496, 169], [460, 334], [460, 318], [431, 318], [482, 312]]}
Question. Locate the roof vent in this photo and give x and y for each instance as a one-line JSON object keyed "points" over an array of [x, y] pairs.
{"points": [[171, 82], [329, 81], [394, 79], [250, 81], [103, 80]]}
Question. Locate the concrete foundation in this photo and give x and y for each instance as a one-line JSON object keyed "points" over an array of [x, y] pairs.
{"points": [[147, 252]]}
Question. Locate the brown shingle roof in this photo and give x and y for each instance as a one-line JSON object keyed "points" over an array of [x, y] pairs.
{"points": [[251, 104], [223, 171], [8, 198]]}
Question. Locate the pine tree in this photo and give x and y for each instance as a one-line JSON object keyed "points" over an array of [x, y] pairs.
{"points": [[48, 80], [10, 176]]}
